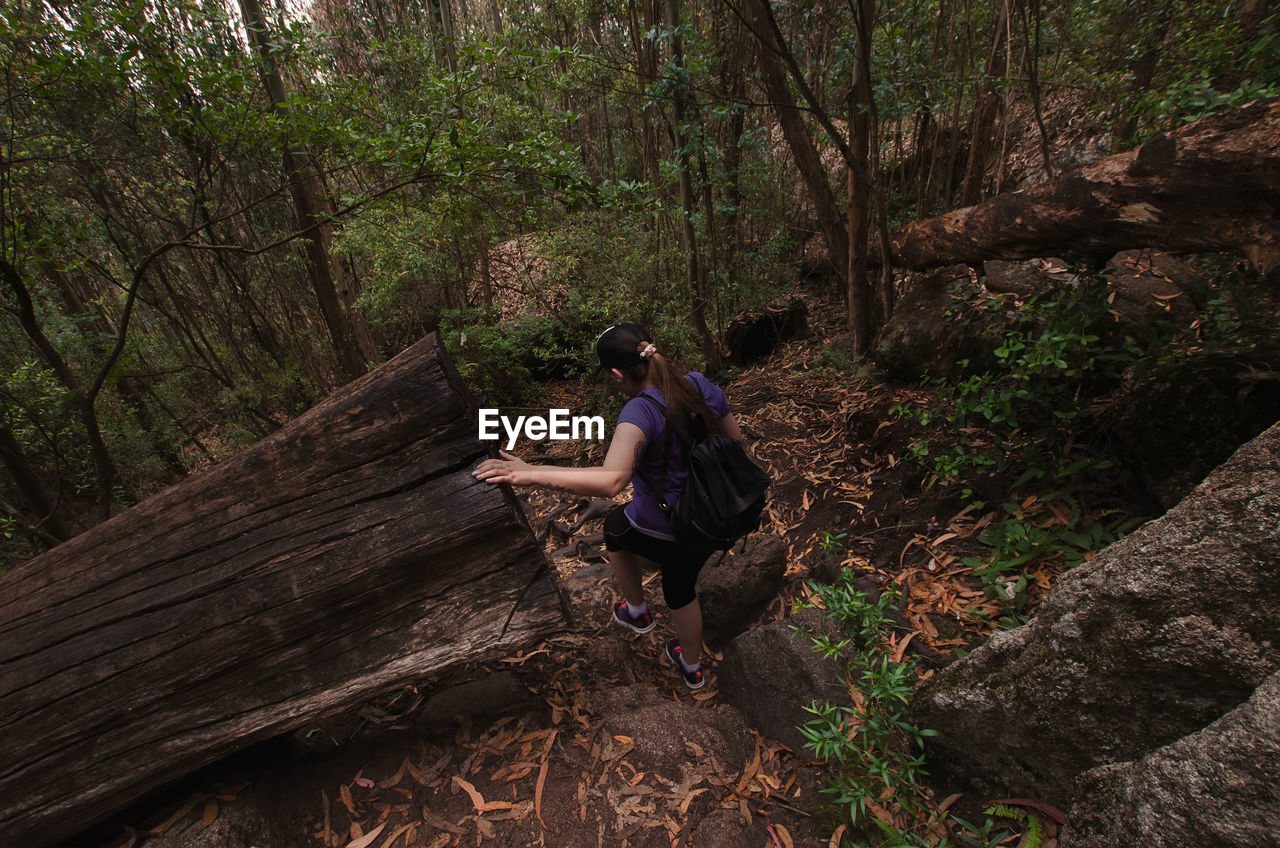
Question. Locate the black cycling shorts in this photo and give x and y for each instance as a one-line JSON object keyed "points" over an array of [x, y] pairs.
{"points": [[680, 566]]}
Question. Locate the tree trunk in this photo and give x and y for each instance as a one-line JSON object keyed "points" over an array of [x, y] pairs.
{"points": [[349, 553], [446, 29], [988, 111], [1213, 186], [46, 521], [647, 73], [861, 104], [688, 236], [311, 215], [812, 171], [1142, 70]]}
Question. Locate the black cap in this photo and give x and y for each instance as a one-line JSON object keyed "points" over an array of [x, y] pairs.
{"points": [[619, 346]]}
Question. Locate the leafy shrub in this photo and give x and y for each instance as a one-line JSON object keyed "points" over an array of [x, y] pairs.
{"points": [[1020, 414], [507, 360], [1038, 531], [877, 772]]}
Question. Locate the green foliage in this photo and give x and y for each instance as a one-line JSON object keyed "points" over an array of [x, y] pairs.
{"points": [[1021, 414], [831, 542], [1036, 532], [1162, 65], [508, 360], [1035, 828], [1022, 420], [874, 750]]}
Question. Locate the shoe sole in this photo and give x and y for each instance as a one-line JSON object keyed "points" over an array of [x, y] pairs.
{"points": [[632, 627], [675, 662]]}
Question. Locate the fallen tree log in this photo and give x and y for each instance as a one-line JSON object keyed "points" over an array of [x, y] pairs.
{"points": [[346, 554], [1212, 186]]}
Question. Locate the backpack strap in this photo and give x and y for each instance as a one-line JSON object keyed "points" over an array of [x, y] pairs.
{"points": [[697, 426], [662, 502]]}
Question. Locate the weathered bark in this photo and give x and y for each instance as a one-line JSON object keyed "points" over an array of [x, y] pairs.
{"points": [[1213, 186], [346, 554]]}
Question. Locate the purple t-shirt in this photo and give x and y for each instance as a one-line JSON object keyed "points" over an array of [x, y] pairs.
{"points": [[643, 512]]}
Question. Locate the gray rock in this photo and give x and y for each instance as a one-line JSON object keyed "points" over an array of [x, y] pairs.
{"points": [[1027, 277], [1153, 294], [1213, 789], [1156, 637], [771, 675], [734, 590], [662, 730], [590, 588]]}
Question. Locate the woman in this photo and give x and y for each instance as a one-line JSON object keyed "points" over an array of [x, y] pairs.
{"points": [[649, 450]]}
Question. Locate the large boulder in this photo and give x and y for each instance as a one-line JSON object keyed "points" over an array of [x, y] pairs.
{"points": [[771, 673], [1213, 789], [934, 329], [1158, 636], [666, 733], [735, 588]]}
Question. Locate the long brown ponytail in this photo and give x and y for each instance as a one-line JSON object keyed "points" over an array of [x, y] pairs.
{"points": [[683, 399]]}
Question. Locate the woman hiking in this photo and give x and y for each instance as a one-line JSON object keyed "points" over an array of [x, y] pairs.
{"points": [[648, 449]]}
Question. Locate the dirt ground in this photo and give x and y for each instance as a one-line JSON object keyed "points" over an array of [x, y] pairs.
{"points": [[543, 767]]}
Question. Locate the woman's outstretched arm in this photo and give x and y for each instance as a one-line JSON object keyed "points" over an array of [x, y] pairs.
{"points": [[602, 481]]}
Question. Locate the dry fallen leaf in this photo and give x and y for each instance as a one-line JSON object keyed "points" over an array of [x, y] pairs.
{"points": [[393, 837], [367, 839], [161, 829], [476, 798], [537, 792], [344, 792]]}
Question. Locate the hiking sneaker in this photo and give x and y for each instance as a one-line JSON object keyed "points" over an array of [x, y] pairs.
{"points": [[641, 623], [692, 679]]}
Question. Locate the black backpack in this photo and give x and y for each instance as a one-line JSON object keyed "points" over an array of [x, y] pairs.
{"points": [[723, 496]]}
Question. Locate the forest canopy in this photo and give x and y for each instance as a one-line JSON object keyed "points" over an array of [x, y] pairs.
{"points": [[212, 214]]}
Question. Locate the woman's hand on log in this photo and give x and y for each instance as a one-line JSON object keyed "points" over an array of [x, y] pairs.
{"points": [[510, 469]]}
